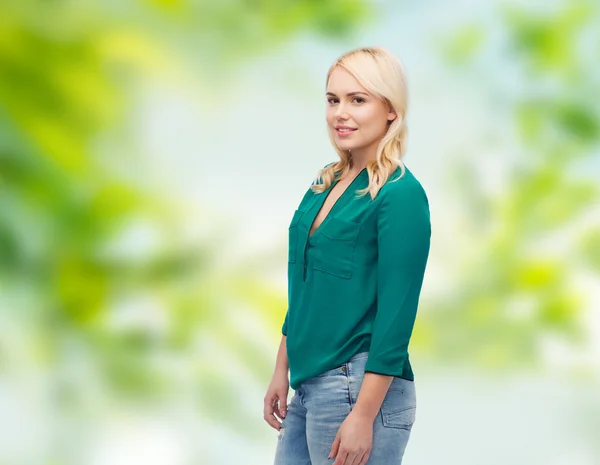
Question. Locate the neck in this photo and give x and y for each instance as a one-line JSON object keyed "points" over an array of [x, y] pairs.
{"points": [[360, 158]]}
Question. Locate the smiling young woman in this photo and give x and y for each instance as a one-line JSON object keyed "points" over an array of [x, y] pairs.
{"points": [[358, 248]]}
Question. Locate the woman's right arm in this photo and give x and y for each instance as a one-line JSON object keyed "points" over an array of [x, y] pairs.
{"points": [[275, 401], [281, 364]]}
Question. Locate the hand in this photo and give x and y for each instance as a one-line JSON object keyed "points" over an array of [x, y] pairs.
{"points": [[276, 399], [353, 441]]}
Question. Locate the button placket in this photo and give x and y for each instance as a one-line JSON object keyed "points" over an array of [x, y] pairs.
{"points": [[307, 245]]}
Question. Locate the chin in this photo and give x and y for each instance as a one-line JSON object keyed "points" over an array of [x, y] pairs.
{"points": [[347, 146]]}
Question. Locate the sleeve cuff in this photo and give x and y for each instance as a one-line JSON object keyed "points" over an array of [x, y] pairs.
{"points": [[383, 369]]}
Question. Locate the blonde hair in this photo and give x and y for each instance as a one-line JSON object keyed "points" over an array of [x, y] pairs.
{"points": [[382, 74]]}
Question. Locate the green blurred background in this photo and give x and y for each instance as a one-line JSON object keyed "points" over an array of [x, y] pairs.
{"points": [[151, 156]]}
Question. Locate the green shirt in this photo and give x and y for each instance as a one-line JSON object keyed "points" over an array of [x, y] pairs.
{"points": [[354, 285]]}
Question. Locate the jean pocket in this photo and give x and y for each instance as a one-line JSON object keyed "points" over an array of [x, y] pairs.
{"points": [[293, 236], [398, 410], [403, 419], [336, 256]]}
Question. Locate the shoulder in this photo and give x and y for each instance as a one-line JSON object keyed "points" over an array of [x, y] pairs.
{"points": [[402, 189], [404, 205]]}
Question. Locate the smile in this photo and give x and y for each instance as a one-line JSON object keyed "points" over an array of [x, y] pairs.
{"points": [[344, 131]]}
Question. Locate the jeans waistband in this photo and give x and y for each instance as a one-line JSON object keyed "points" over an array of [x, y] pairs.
{"points": [[356, 363], [359, 356]]}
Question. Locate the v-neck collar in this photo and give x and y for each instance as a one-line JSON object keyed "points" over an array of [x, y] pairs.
{"points": [[320, 200]]}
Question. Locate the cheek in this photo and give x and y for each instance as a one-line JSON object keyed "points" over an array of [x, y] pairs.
{"points": [[373, 121], [365, 115], [329, 117]]}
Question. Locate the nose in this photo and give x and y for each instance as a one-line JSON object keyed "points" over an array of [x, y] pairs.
{"points": [[340, 111]]}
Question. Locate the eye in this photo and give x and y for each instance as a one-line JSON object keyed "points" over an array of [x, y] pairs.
{"points": [[331, 100], [359, 99]]}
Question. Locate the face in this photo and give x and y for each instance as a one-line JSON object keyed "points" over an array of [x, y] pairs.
{"points": [[356, 119]]}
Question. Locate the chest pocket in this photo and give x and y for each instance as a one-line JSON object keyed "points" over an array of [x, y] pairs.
{"points": [[293, 236], [336, 247]]}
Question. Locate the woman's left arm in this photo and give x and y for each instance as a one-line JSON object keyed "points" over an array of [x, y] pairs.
{"points": [[403, 241], [403, 238]]}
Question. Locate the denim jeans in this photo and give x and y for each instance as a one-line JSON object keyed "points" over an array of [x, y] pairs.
{"points": [[320, 405]]}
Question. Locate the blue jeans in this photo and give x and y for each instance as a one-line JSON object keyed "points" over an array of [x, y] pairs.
{"points": [[320, 405]]}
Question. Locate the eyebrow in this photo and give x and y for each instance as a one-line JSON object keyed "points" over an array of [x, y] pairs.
{"points": [[349, 94]]}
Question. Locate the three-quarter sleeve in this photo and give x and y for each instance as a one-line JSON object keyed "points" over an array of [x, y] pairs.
{"points": [[403, 241]]}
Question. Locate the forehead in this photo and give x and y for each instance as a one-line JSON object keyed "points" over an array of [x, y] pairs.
{"points": [[341, 81]]}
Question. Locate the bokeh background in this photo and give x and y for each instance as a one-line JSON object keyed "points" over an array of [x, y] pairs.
{"points": [[152, 153]]}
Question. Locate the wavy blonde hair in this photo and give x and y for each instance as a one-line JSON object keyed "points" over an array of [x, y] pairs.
{"points": [[381, 73]]}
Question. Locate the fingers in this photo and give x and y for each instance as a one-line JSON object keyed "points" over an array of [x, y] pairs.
{"points": [[360, 459], [341, 458], [273, 422], [283, 404], [268, 416], [280, 406], [344, 457], [334, 447], [276, 409], [364, 458]]}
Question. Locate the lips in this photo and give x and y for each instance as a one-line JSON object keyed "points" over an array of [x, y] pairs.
{"points": [[344, 130]]}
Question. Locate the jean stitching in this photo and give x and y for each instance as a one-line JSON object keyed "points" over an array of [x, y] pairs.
{"points": [[349, 389]]}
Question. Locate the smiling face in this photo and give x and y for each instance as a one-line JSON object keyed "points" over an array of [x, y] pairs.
{"points": [[356, 119]]}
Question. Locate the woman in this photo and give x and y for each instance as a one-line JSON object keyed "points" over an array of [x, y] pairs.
{"points": [[358, 247]]}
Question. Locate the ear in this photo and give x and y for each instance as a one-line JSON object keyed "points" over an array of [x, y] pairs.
{"points": [[391, 116]]}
